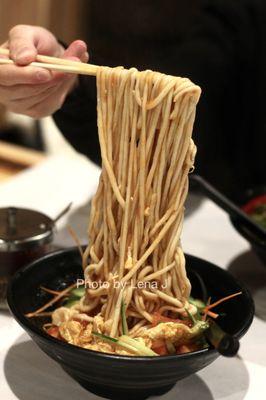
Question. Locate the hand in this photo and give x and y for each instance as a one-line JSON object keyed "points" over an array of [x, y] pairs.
{"points": [[33, 91]]}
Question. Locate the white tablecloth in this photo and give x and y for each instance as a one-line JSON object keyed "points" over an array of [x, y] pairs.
{"points": [[28, 374]]}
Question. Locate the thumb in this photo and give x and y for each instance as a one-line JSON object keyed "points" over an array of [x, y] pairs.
{"points": [[21, 44]]}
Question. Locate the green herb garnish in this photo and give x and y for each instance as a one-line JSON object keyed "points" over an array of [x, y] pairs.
{"points": [[191, 317], [78, 292], [106, 338], [124, 318]]}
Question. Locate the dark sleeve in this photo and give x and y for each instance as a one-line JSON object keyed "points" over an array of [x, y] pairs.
{"points": [[77, 119]]}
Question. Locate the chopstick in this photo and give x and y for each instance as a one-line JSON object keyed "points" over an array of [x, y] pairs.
{"points": [[19, 155], [227, 205], [55, 64]]}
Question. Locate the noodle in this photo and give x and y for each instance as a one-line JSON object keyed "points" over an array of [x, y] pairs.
{"points": [[134, 266], [145, 122]]}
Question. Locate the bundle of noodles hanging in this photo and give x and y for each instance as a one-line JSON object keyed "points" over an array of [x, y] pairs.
{"points": [[134, 266]]}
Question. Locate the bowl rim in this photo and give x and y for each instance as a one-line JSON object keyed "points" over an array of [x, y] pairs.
{"points": [[250, 193], [25, 323], [247, 235]]}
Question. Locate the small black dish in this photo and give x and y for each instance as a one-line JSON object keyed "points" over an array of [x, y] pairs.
{"points": [[120, 377], [258, 245]]}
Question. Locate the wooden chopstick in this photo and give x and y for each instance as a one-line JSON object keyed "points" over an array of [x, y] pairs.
{"points": [[55, 64], [20, 155]]}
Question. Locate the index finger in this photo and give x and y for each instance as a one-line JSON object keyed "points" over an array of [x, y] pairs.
{"points": [[14, 74]]}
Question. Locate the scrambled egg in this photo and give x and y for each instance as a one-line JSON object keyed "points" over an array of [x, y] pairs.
{"points": [[70, 331], [85, 336], [175, 332], [63, 314], [98, 324], [79, 333], [100, 346]]}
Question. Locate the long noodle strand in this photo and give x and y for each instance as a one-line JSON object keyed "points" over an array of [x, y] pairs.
{"points": [[145, 122]]}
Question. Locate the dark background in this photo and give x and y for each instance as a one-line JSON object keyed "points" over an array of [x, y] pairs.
{"points": [[220, 45]]}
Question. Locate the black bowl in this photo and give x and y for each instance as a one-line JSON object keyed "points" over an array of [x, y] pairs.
{"points": [[114, 376], [258, 244]]}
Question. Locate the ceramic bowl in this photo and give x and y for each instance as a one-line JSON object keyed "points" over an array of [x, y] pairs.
{"points": [[114, 376]]}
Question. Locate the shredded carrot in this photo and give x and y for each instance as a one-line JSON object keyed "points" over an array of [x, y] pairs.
{"points": [[212, 314], [210, 306], [56, 292], [204, 317], [76, 240], [51, 302], [44, 314]]}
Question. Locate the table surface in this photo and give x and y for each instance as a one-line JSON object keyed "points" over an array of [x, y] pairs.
{"points": [[26, 373]]}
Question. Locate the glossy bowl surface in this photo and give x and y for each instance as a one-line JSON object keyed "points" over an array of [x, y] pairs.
{"points": [[122, 377], [257, 244]]}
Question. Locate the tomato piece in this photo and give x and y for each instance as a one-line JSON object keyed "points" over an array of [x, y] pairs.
{"points": [[159, 347], [53, 331], [253, 203], [162, 351]]}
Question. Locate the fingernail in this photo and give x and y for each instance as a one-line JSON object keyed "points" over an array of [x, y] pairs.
{"points": [[42, 76], [23, 53], [85, 57]]}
